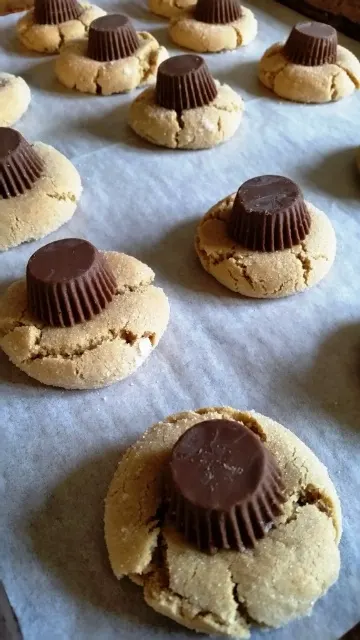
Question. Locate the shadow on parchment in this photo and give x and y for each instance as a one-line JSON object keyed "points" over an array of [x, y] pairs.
{"points": [[174, 257], [67, 536], [332, 383], [336, 174]]}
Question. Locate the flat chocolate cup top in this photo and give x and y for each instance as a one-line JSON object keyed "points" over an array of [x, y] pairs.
{"points": [[112, 37], [62, 261], [182, 65], [68, 282], [266, 195], [217, 464], [223, 487], [269, 214], [184, 82], [218, 11], [311, 44]]}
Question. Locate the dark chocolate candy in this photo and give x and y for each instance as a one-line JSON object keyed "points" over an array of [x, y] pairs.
{"points": [[184, 82], [68, 281], [269, 214], [112, 37], [223, 485], [56, 11], [218, 11], [20, 165], [311, 44]]}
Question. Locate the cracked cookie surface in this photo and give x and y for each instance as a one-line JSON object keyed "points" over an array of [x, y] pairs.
{"points": [[325, 83], [170, 8], [49, 38], [96, 353], [228, 592], [46, 206], [259, 274], [14, 98], [199, 128], [76, 71], [211, 38]]}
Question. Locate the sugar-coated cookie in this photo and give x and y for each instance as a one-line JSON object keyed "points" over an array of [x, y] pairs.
{"points": [[167, 507], [83, 319], [114, 59], [14, 6], [187, 109], [170, 8], [53, 23], [266, 241], [310, 67], [39, 189], [213, 26], [14, 98]]}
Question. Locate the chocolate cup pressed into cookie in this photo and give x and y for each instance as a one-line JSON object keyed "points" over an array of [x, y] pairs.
{"points": [[265, 241], [68, 282], [56, 11], [311, 44], [184, 82], [112, 37], [224, 487], [217, 11], [20, 165]]}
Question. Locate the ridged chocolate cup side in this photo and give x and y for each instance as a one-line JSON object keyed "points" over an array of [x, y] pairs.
{"points": [[218, 11], [269, 214], [20, 165], [112, 37], [56, 11], [184, 82], [311, 44], [68, 282], [223, 487]]}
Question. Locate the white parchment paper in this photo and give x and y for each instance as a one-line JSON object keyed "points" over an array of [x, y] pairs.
{"points": [[296, 360]]}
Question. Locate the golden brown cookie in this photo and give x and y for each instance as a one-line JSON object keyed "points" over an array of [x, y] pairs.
{"points": [[225, 593], [46, 31], [90, 335], [222, 29], [14, 98], [187, 109], [39, 189], [302, 77], [114, 59], [282, 269]]}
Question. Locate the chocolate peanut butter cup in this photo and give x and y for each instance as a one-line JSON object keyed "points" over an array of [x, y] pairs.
{"points": [[184, 82], [311, 44], [20, 165], [56, 11], [269, 214], [223, 486], [68, 281], [218, 11], [112, 37]]}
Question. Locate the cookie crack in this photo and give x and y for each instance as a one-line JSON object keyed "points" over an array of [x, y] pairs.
{"points": [[238, 35], [241, 604], [310, 495], [333, 88], [65, 196], [302, 257], [354, 79], [112, 334], [181, 125]]}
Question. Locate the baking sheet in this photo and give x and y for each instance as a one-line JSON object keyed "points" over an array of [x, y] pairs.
{"points": [[296, 360]]}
